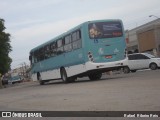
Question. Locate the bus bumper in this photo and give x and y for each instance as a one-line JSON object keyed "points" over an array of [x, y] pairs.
{"points": [[107, 65]]}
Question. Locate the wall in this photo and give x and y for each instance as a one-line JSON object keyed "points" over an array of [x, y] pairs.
{"points": [[146, 40]]}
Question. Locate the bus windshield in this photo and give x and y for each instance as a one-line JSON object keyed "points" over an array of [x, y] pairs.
{"points": [[101, 30]]}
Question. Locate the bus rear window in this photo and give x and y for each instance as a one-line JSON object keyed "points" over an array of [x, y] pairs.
{"points": [[100, 30]]}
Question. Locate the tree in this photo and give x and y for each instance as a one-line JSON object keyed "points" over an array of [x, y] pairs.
{"points": [[5, 49]]}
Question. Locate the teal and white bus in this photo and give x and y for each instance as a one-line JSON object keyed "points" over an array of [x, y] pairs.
{"points": [[88, 49]]}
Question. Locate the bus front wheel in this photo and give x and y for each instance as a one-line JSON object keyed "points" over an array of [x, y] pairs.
{"points": [[41, 82], [64, 75], [65, 78]]}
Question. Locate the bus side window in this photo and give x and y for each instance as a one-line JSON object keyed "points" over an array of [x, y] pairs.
{"points": [[78, 34], [31, 58], [36, 56], [74, 36], [59, 46], [67, 43], [41, 54], [47, 51], [53, 47], [77, 41]]}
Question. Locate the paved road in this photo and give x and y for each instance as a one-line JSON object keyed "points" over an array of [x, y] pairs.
{"points": [[121, 92]]}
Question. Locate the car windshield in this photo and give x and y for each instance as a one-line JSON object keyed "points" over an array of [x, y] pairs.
{"points": [[150, 56]]}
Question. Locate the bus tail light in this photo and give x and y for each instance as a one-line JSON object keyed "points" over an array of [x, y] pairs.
{"points": [[90, 56]]}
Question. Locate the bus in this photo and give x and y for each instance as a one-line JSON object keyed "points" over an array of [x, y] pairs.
{"points": [[89, 49]]}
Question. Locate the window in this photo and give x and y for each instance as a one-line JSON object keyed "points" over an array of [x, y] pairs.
{"points": [[31, 57], [47, 51], [73, 41], [59, 46], [53, 48], [141, 57], [76, 40], [77, 44], [36, 54], [67, 43], [137, 57], [41, 54], [131, 57], [59, 43], [67, 39], [68, 47], [105, 30], [59, 50], [76, 35]]}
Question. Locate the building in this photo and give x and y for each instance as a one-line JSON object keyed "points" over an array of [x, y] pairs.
{"points": [[145, 38]]}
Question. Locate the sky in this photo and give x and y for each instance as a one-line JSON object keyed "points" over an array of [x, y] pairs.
{"points": [[33, 22]]}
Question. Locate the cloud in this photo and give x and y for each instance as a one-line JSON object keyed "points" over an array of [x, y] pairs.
{"points": [[24, 23], [23, 5]]}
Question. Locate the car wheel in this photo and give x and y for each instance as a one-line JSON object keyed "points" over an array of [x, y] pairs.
{"points": [[153, 66], [126, 70]]}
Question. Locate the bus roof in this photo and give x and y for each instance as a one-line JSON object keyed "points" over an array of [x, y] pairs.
{"points": [[69, 31], [56, 38]]}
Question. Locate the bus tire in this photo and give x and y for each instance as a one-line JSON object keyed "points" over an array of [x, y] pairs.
{"points": [[41, 82], [64, 75], [126, 70], [95, 76]]}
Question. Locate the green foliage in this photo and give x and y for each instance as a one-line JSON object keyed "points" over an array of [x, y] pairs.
{"points": [[5, 48]]}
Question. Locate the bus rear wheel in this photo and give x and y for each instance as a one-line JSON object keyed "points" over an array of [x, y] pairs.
{"points": [[126, 70], [95, 76]]}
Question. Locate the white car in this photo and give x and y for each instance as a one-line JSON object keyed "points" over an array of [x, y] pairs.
{"points": [[139, 61]]}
